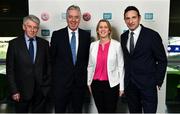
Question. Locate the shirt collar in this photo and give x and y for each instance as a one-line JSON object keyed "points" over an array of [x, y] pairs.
{"points": [[70, 31], [137, 30], [27, 38]]}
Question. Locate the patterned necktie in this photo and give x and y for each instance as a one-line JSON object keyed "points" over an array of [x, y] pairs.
{"points": [[73, 47], [31, 49], [131, 48]]}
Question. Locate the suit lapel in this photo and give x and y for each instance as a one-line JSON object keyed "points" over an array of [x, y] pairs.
{"points": [[24, 49], [67, 44], [110, 51], [138, 43], [125, 39], [139, 40], [38, 50], [80, 40], [80, 44], [95, 50]]}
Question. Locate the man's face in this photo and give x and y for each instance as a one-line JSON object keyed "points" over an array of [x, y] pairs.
{"points": [[30, 28], [73, 19], [132, 19]]}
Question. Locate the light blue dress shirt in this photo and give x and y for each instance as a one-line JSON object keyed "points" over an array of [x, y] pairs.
{"points": [[34, 43]]}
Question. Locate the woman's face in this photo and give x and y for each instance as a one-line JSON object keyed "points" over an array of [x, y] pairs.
{"points": [[103, 30]]}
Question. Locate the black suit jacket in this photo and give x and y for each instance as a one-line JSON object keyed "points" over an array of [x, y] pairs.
{"points": [[23, 75], [65, 73], [146, 67]]}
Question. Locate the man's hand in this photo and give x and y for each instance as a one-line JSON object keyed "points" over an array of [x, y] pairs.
{"points": [[90, 89], [16, 97], [121, 93], [158, 87]]}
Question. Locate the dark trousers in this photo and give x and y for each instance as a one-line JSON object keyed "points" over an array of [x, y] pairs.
{"points": [[141, 100], [34, 105], [105, 98], [70, 100]]}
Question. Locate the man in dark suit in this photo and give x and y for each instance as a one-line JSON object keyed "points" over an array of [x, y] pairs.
{"points": [[69, 63], [145, 63], [28, 68]]}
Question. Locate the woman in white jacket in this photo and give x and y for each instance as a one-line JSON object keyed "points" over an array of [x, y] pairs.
{"points": [[105, 69]]}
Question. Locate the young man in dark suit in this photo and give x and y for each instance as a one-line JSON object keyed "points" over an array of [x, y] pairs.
{"points": [[70, 52], [145, 63], [28, 68]]}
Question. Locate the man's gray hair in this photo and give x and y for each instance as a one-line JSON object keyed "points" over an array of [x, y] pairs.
{"points": [[73, 7], [32, 18]]}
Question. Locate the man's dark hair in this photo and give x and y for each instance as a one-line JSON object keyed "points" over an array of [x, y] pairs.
{"points": [[131, 8]]}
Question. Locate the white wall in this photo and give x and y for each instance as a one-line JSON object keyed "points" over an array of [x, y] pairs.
{"points": [[56, 9]]}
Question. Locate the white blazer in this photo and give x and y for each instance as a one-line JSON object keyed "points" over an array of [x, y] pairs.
{"points": [[115, 63]]}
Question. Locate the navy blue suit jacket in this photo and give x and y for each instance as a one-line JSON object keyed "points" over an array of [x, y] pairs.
{"points": [[23, 75], [146, 66], [64, 72]]}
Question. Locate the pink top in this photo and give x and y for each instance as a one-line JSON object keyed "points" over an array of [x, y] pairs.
{"points": [[101, 65]]}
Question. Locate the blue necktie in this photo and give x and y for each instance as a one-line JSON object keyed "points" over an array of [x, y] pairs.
{"points": [[131, 48], [31, 49], [73, 47]]}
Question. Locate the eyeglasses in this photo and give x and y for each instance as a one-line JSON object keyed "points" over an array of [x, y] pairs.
{"points": [[35, 28]]}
